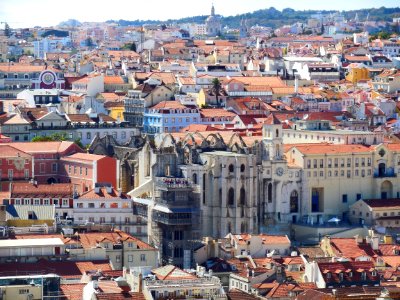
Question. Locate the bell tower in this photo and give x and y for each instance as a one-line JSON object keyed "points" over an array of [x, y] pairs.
{"points": [[273, 137]]}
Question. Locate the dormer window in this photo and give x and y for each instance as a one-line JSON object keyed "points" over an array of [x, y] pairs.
{"points": [[363, 276]]}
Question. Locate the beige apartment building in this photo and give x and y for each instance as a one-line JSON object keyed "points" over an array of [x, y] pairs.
{"points": [[336, 176]]}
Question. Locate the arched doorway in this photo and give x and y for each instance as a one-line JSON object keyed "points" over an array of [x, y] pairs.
{"points": [[294, 202], [386, 189], [51, 180]]}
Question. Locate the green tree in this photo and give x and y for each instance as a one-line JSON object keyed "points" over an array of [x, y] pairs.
{"points": [[216, 88], [58, 136]]}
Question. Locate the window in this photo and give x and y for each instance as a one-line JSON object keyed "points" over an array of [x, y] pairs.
{"points": [[26, 173], [130, 258], [46, 201], [10, 174], [178, 235], [55, 201], [90, 205], [344, 198], [231, 197], [65, 202], [142, 257], [23, 291], [102, 219], [359, 197], [54, 167], [36, 201], [231, 168], [86, 171], [88, 135], [118, 258]]}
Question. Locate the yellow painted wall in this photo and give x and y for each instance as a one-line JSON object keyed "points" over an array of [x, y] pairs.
{"points": [[357, 74], [117, 112], [26, 223], [201, 99]]}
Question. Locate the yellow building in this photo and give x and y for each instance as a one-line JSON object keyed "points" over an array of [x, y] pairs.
{"points": [[116, 110], [334, 177], [357, 72], [376, 212]]}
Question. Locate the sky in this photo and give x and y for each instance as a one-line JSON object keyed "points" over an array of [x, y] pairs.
{"points": [[29, 13]]}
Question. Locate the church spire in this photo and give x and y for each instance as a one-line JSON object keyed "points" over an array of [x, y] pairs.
{"points": [[212, 10]]}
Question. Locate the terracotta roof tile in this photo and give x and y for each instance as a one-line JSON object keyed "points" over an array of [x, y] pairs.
{"points": [[91, 239], [59, 190], [103, 194], [72, 291]]}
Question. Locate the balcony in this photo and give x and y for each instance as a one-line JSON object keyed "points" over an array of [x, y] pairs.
{"points": [[173, 183], [181, 216], [384, 173]]}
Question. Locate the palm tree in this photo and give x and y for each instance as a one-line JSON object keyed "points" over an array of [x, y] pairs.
{"points": [[216, 88]]}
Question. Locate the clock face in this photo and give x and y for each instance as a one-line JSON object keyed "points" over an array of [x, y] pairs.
{"points": [[48, 78], [279, 171]]}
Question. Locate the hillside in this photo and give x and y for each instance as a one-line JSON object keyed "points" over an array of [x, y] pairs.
{"points": [[275, 18]]}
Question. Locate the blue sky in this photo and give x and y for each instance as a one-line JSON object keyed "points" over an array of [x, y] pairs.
{"points": [[21, 13]]}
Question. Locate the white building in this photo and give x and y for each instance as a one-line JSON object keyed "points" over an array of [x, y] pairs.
{"points": [[50, 45], [106, 205]]}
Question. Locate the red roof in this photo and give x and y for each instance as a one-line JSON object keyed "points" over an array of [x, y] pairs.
{"points": [[65, 269], [91, 239], [103, 194], [84, 157], [169, 105], [26, 189], [9, 151], [386, 203], [72, 291], [350, 248], [46, 147]]}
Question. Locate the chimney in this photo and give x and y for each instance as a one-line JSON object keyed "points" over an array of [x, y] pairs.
{"points": [[375, 243], [95, 284]]}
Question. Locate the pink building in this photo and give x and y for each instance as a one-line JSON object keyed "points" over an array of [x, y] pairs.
{"points": [[84, 170], [46, 168]]}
